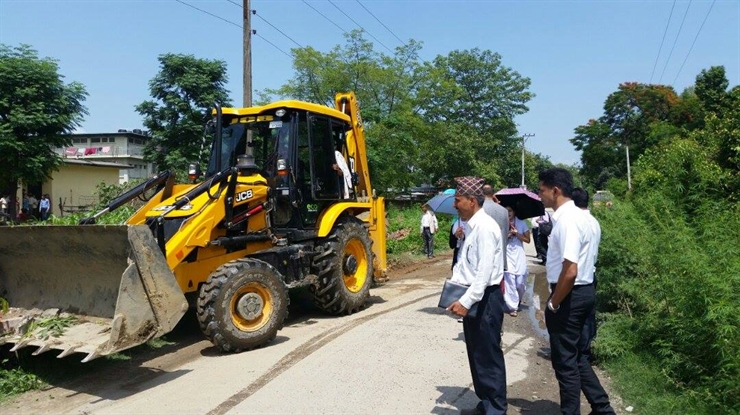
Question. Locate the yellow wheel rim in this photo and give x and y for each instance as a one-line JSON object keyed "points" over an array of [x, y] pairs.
{"points": [[251, 307], [354, 281]]}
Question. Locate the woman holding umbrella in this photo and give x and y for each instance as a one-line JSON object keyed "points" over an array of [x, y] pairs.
{"points": [[515, 277]]}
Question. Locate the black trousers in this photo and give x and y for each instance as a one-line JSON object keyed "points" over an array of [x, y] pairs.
{"points": [[428, 241], [544, 244], [589, 332], [572, 368], [483, 341], [541, 253]]}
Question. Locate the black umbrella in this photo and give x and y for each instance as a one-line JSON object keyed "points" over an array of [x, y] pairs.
{"points": [[526, 204]]}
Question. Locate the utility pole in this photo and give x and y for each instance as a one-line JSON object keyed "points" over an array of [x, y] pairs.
{"points": [[247, 54], [524, 139]]}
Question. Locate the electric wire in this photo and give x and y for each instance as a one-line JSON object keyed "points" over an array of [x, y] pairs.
{"points": [[273, 45], [234, 24], [254, 12], [324, 16], [674, 42], [662, 41], [694, 42], [210, 14], [383, 24], [360, 26]]}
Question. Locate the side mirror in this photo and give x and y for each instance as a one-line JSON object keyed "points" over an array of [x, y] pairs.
{"points": [[194, 172]]}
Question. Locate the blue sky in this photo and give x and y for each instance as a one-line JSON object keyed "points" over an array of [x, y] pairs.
{"points": [[575, 52]]}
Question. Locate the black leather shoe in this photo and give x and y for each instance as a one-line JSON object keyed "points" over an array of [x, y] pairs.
{"points": [[473, 411]]}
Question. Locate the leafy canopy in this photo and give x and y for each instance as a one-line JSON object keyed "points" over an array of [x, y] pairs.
{"points": [[184, 91], [37, 111], [425, 121]]}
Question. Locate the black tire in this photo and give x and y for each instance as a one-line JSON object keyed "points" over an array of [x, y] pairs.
{"points": [[242, 305], [344, 268]]}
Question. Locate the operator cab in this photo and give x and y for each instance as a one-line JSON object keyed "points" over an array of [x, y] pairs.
{"points": [[294, 150]]}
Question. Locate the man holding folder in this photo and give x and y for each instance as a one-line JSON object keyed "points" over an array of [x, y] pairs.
{"points": [[480, 267]]}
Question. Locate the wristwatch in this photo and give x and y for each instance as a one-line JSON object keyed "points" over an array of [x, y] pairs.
{"points": [[551, 307]]}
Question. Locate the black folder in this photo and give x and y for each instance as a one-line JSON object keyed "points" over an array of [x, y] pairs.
{"points": [[452, 292]]}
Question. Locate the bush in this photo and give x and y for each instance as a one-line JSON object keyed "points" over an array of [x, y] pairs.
{"points": [[669, 285]]}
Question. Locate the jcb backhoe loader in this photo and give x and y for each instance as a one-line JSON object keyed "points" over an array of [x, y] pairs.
{"points": [[270, 213]]}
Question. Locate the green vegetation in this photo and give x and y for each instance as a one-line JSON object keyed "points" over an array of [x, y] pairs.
{"points": [[669, 267], [44, 328], [403, 230], [425, 121]]}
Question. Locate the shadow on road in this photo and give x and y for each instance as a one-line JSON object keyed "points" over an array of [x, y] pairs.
{"points": [[539, 407]]}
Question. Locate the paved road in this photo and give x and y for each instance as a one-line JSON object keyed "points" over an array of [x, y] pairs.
{"points": [[400, 355]]}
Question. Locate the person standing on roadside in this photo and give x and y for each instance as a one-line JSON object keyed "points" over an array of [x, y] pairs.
{"points": [[44, 207], [498, 213], [33, 204], [570, 272], [429, 226], [580, 198], [480, 267]]}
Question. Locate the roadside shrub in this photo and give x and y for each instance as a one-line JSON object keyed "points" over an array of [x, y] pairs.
{"points": [[670, 284]]}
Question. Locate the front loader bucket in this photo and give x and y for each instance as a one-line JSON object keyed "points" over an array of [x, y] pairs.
{"points": [[85, 289]]}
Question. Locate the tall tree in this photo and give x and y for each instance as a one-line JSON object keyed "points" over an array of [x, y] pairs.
{"points": [[37, 111], [711, 89], [384, 85], [472, 97], [184, 92], [627, 123]]}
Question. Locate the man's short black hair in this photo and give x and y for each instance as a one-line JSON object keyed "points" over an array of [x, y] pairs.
{"points": [[580, 198], [487, 190], [558, 177]]}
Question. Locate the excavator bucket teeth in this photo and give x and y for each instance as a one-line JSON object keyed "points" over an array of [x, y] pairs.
{"points": [[85, 289]]}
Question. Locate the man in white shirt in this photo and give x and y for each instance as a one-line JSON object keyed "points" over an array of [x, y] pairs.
{"points": [[480, 267], [580, 198], [428, 228], [570, 272], [343, 171]]}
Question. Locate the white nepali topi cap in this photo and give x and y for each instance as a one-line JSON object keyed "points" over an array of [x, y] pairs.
{"points": [[469, 186]]}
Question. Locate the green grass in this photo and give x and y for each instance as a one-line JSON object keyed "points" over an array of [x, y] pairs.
{"points": [[641, 384], [405, 237]]}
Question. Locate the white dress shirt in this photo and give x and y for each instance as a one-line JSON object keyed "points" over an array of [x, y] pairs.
{"points": [[480, 263], [595, 238], [571, 239], [428, 220]]}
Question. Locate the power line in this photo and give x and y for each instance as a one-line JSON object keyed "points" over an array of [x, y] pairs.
{"points": [[386, 27], [674, 42], [694, 42], [254, 32], [209, 13], [254, 12], [275, 46], [324, 16], [360, 26], [661, 42]]}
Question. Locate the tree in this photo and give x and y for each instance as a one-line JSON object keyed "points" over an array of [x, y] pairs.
{"points": [[37, 112], [711, 89], [184, 92], [384, 85], [627, 124], [470, 100]]}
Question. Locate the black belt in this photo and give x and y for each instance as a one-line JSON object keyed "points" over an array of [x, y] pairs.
{"points": [[493, 287], [552, 286]]}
